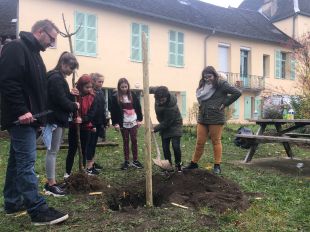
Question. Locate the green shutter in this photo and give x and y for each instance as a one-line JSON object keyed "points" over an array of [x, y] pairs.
{"points": [[293, 69], [176, 48], [136, 40], [257, 106], [91, 45], [183, 98], [247, 107], [180, 49], [278, 69], [86, 37], [236, 109]]}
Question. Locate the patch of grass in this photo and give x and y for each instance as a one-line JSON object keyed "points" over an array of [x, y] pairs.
{"points": [[282, 203]]}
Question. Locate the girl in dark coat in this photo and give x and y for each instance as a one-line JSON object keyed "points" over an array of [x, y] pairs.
{"points": [[213, 95], [170, 123], [61, 102], [126, 116]]}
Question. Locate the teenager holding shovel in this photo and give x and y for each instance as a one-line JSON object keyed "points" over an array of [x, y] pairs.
{"points": [[213, 95], [170, 123]]}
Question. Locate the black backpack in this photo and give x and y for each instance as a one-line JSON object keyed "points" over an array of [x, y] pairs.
{"points": [[241, 142]]}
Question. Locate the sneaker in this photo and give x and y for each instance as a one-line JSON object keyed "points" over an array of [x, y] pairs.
{"points": [[125, 165], [66, 176], [49, 216], [217, 169], [192, 165], [97, 166], [137, 164], [53, 190], [92, 171], [178, 167], [15, 211], [62, 185]]}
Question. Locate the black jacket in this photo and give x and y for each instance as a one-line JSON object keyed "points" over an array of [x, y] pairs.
{"points": [[22, 80], [100, 116], [59, 99], [168, 116], [209, 110], [117, 114]]}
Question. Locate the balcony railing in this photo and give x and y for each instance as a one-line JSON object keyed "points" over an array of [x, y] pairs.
{"points": [[245, 82]]}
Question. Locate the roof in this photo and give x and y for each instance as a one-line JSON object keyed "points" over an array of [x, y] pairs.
{"points": [[204, 16], [285, 8], [8, 11]]}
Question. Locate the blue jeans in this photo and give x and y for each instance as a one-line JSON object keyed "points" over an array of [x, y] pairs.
{"points": [[21, 183]]}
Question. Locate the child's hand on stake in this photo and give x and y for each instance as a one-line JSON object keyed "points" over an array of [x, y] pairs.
{"points": [[139, 123], [78, 120], [75, 92]]}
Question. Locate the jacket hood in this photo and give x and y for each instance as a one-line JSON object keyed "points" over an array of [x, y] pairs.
{"points": [[31, 41], [171, 102]]}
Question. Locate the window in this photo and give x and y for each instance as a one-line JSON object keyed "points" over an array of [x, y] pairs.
{"points": [[86, 37], [176, 49], [136, 40], [285, 65], [223, 58], [266, 66]]}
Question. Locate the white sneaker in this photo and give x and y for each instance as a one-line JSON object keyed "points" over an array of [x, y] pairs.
{"points": [[66, 176]]}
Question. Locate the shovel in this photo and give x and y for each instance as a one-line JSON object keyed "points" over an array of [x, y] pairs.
{"points": [[164, 164]]}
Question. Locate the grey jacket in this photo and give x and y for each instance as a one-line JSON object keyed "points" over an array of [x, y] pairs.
{"points": [[209, 110]]}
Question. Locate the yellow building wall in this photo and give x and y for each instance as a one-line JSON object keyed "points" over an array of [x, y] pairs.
{"points": [[303, 25], [113, 50], [286, 26]]}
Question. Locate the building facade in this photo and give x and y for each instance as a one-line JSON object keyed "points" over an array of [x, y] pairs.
{"points": [[183, 37]]}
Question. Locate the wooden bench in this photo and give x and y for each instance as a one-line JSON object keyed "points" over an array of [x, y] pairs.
{"points": [[271, 139], [65, 146], [295, 135]]}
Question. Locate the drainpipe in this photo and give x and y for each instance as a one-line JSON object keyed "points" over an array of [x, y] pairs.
{"points": [[205, 47], [296, 10]]}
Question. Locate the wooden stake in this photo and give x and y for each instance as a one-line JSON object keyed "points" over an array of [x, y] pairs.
{"points": [[147, 124], [69, 36]]}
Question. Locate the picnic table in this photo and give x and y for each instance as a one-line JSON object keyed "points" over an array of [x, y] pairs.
{"points": [[283, 135]]}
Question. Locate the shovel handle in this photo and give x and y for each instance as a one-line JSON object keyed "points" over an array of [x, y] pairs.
{"points": [[155, 142]]}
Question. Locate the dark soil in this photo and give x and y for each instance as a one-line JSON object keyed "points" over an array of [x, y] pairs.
{"points": [[192, 189], [83, 183], [4, 135], [283, 165]]}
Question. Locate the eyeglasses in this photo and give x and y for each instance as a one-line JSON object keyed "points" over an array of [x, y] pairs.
{"points": [[207, 76], [52, 39]]}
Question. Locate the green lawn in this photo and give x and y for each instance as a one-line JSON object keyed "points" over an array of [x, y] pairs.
{"points": [[284, 204]]}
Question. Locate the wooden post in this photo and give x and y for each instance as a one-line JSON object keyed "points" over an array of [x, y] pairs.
{"points": [[147, 124]]}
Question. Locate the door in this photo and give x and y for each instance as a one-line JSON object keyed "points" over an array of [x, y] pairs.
{"points": [[247, 107]]}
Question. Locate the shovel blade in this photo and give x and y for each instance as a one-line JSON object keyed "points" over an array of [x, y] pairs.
{"points": [[164, 164]]}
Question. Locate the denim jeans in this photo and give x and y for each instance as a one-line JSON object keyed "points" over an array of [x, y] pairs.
{"points": [[21, 183]]}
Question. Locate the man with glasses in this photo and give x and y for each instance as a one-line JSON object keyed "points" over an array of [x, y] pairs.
{"points": [[23, 94]]}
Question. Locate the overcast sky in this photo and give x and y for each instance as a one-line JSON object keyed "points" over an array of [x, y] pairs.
{"points": [[224, 3]]}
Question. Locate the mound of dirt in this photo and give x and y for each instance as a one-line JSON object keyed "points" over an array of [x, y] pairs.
{"points": [[194, 188], [83, 183]]}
